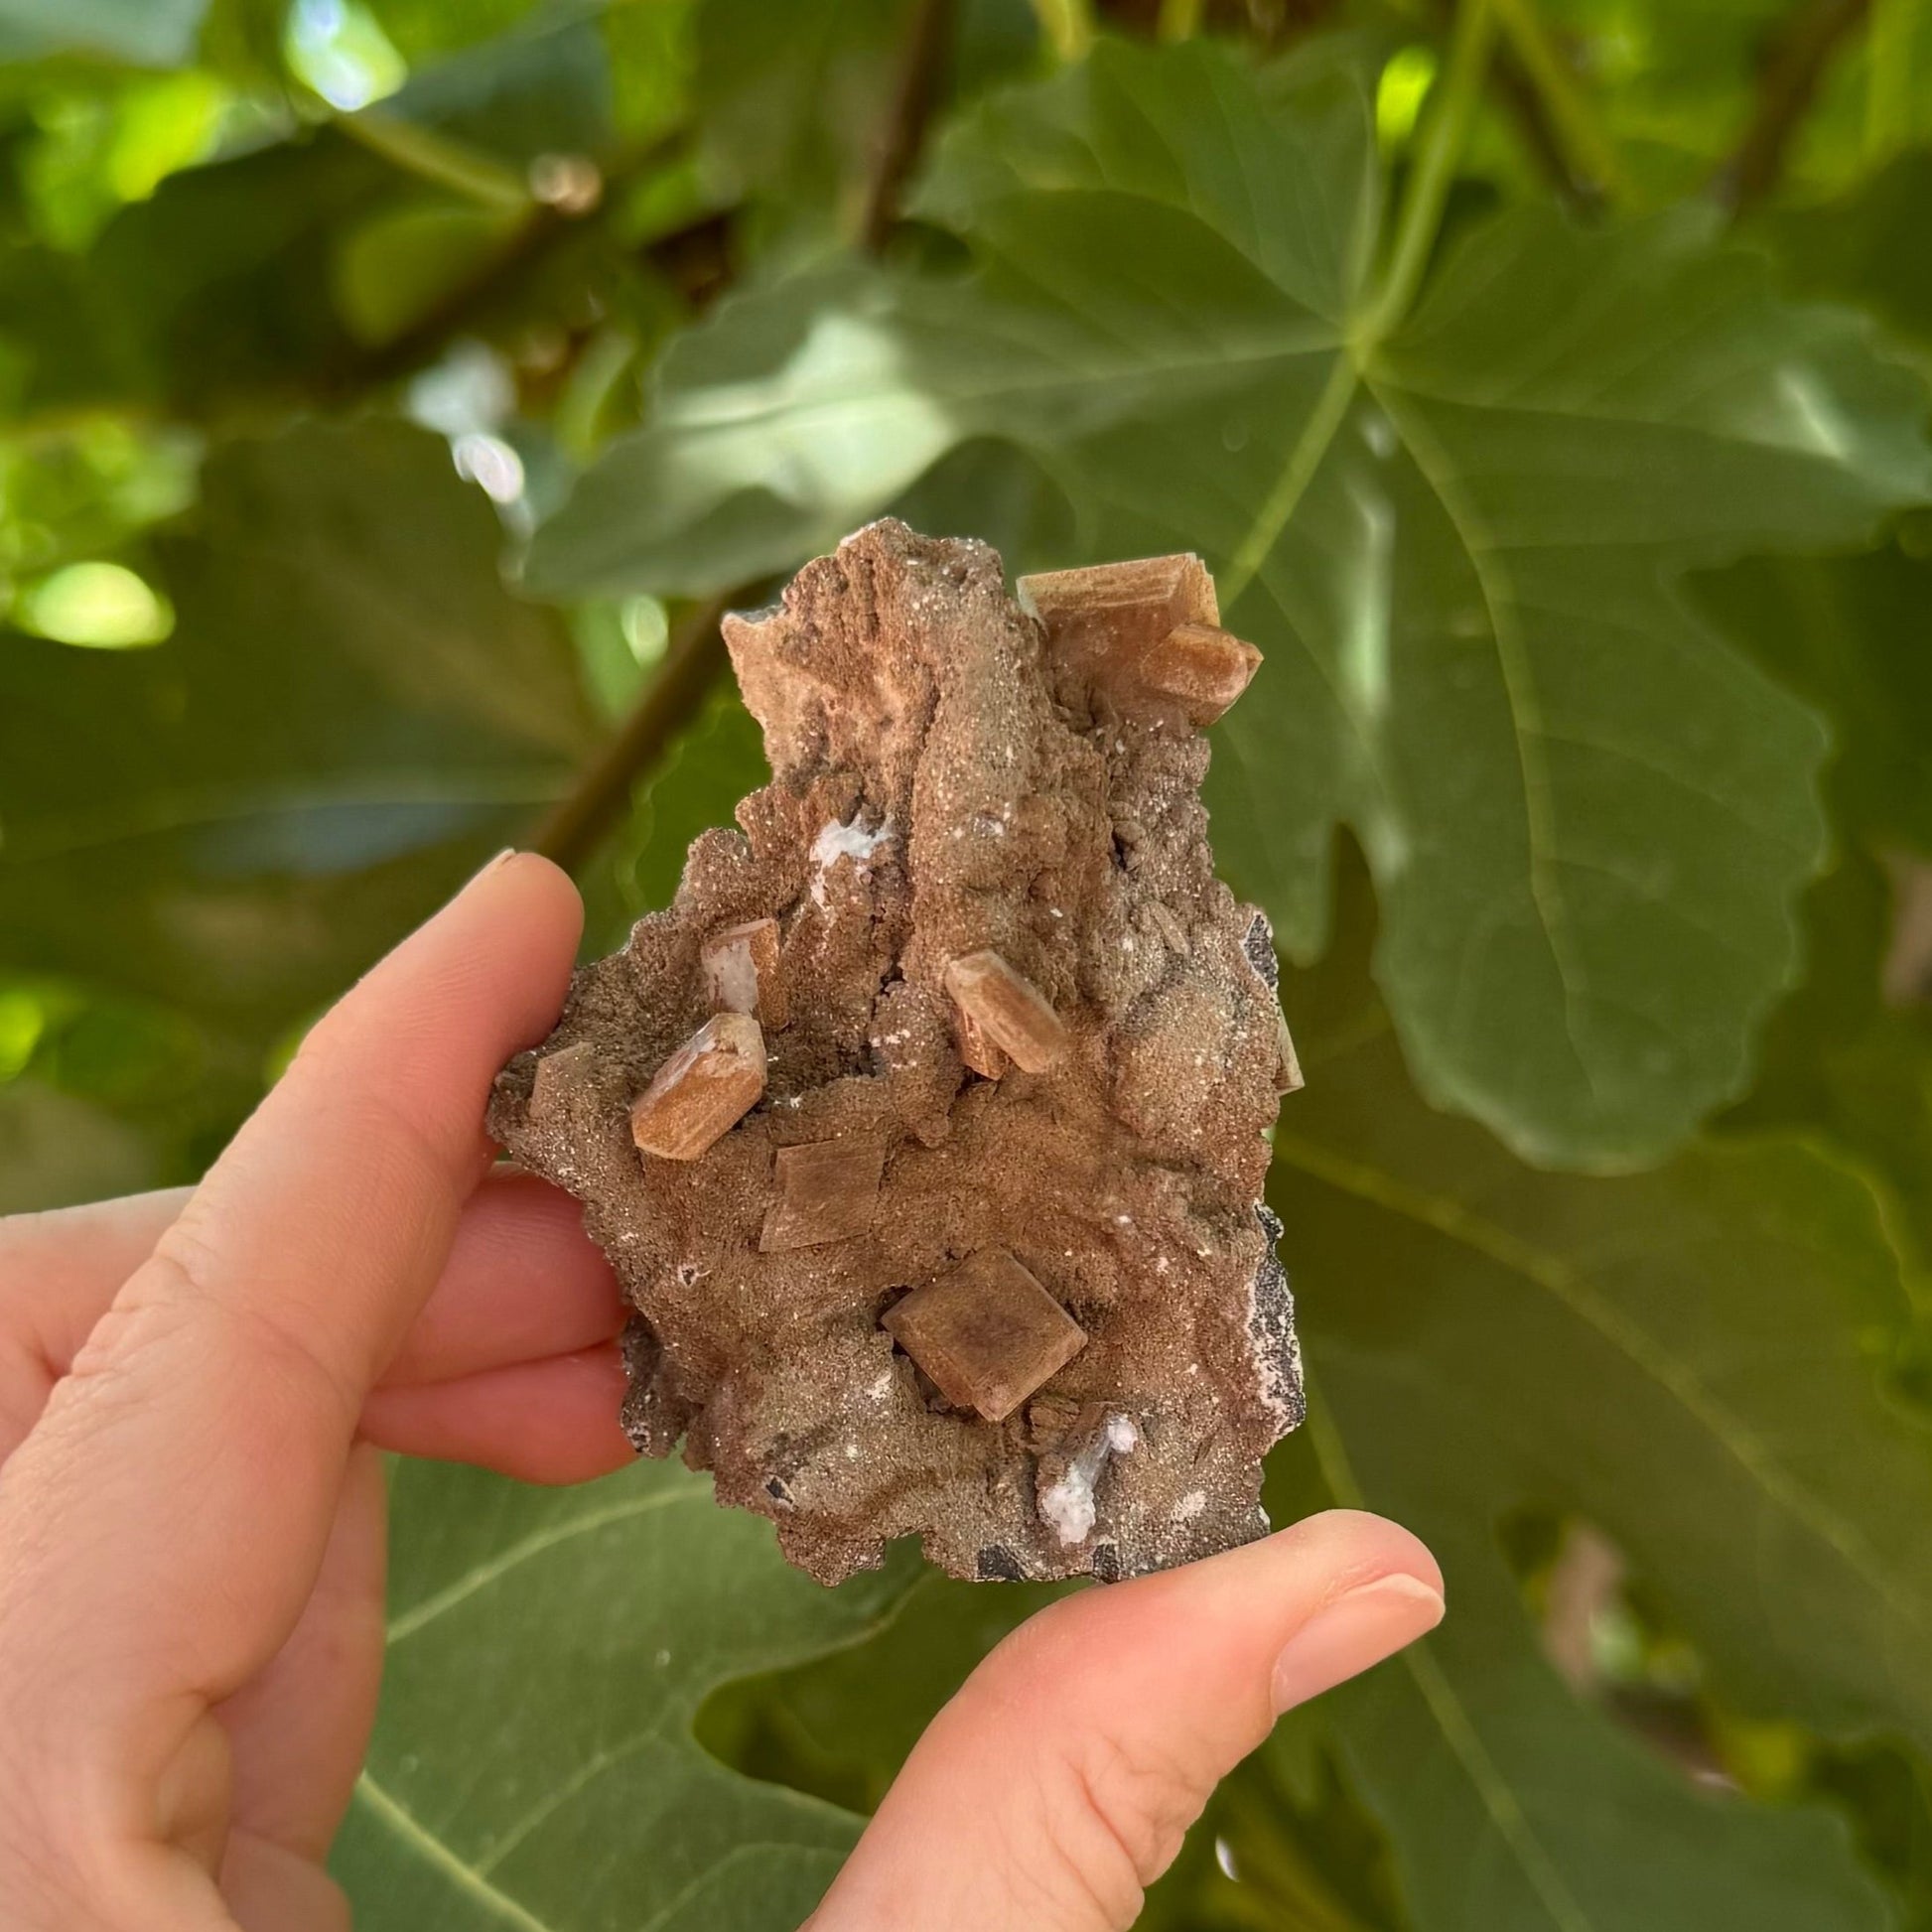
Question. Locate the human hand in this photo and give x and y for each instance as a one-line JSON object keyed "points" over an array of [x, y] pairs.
{"points": [[192, 1391]]}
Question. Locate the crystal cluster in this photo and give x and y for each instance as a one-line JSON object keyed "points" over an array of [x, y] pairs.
{"points": [[926, 1128]]}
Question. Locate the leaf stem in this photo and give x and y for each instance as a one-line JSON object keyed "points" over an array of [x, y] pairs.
{"points": [[578, 823], [1785, 91], [1889, 43], [1439, 153], [435, 158], [1590, 152], [1067, 24], [904, 134]]}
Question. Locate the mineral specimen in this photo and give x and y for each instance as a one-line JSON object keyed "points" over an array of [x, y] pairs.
{"points": [[925, 1129]]}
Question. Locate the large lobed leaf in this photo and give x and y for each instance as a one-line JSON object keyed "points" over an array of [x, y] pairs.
{"points": [[352, 709], [533, 1768], [1456, 538], [1694, 1360]]}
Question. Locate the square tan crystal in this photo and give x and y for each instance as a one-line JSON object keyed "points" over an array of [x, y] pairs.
{"points": [[827, 1191], [985, 1332], [703, 1090]]}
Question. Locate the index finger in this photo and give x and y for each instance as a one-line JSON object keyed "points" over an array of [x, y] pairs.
{"points": [[192, 1459]]}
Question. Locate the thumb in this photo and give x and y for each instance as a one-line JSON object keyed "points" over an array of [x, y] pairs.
{"points": [[1061, 1778]]}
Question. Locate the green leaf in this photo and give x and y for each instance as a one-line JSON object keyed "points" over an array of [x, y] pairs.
{"points": [[842, 1726], [542, 88], [395, 269], [1459, 545], [1843, 1060], [790, 94], [423, 28], [533, 1766], [217, 285], [697, 784], [794, 98], [1846, 633], [145, 33], [1692, 1360], [1864, 247], [351, 712], [57, 1149]]}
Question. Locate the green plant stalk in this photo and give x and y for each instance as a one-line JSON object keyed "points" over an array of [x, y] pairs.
{"points": [[1181, 20], [436, 158], [1067, 25], [1889, 43], [1438, 154], [1592, 154], [1452, 103]]}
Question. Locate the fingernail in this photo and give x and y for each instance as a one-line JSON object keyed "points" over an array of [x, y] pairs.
{"points": [[502, 859], [1346, 1637]]}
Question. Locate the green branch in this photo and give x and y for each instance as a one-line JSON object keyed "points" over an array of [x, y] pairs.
{"points": [[1589, 151], [435, 158], [1067, 25], [1890, 41], [1440, 151]]}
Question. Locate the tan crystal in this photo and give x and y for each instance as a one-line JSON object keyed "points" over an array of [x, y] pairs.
{"points": [[985, 1332], [1202, 667], [743, 974], [827, 1191], [703, 1090], [1146, 633], [1288, 1077], [1006, 1009], [976, 1047]]}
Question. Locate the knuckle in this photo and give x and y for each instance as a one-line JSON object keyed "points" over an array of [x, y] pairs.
{"points": [[171, 1312], [1141, 1794], [1106, 1818], [27, 1379]]}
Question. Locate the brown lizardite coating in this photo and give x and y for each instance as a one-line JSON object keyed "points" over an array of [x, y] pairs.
{"points": [[959, 775]]}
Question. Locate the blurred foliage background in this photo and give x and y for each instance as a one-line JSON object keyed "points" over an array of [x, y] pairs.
{"points": [[391, 391]]}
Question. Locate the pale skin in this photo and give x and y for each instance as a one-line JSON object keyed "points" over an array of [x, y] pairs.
{"points": [[194, 1391]]}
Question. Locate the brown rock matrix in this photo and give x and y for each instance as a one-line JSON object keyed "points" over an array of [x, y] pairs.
{"points": [[925, 1129]]}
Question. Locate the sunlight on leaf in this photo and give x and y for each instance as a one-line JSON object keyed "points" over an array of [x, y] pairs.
{"points": [[22, 1019], [338, 48], [101, 607], [1399, 93]]}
